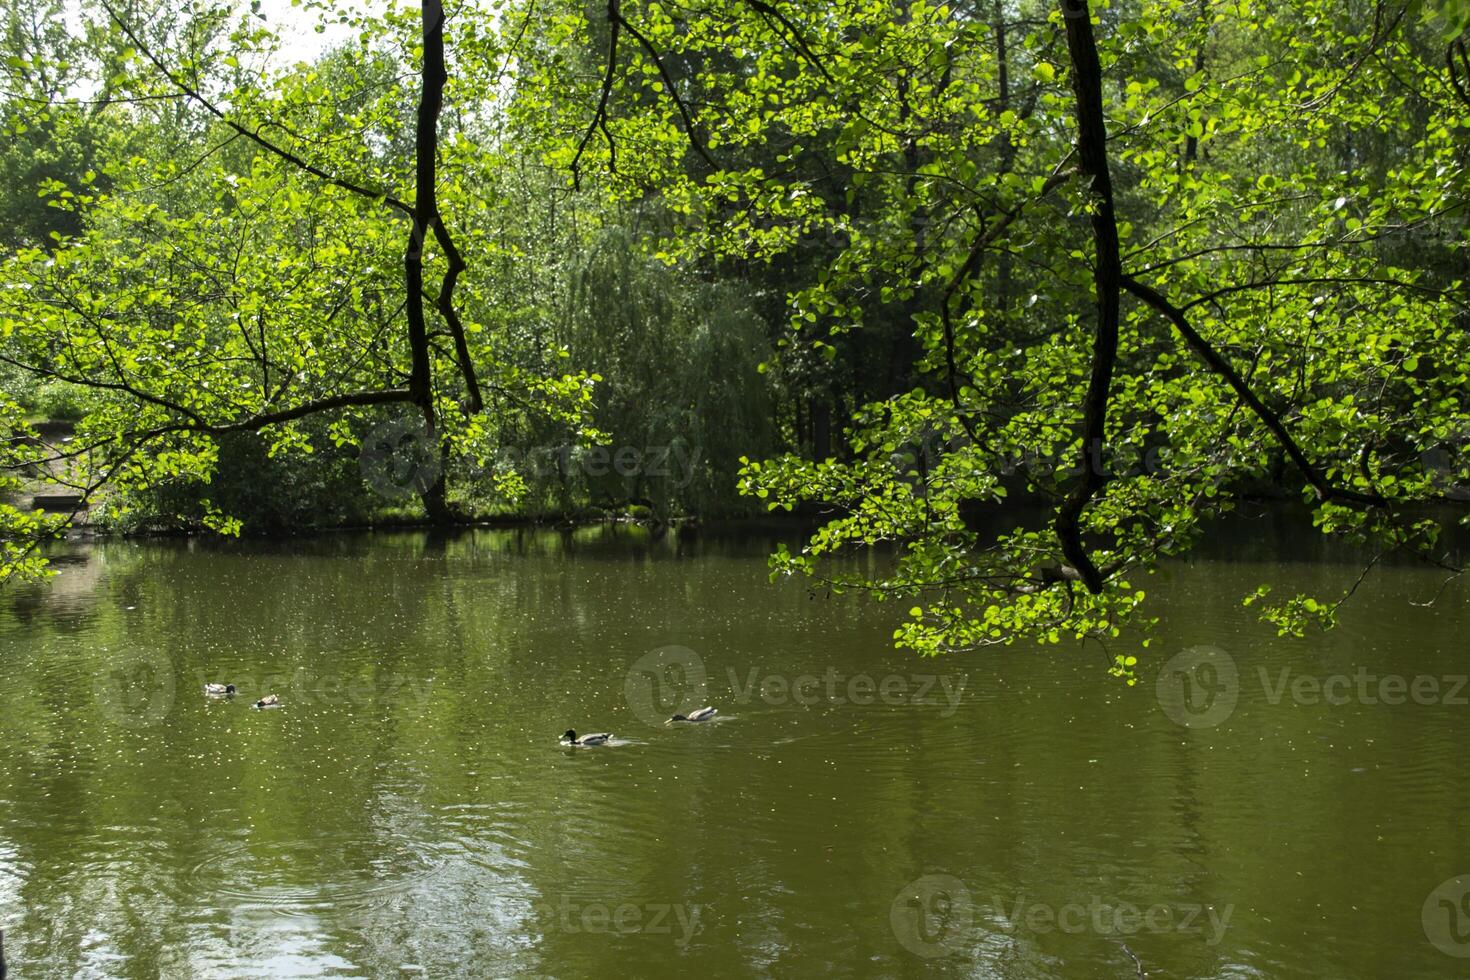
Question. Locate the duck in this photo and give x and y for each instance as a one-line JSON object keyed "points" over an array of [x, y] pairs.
{"points": [[269, 701], [219, 690], [597, 738], [701, 714]]}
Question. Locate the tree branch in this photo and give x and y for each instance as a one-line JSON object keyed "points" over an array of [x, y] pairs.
{"points": [[446, 308], [615, 12], [794, 37], [1272, 421], [254, 136], [599, 118]]}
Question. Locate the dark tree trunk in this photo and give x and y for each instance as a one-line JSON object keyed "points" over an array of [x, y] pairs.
{"points": [[1007, 152], [1191, 143], [1092, 155], [436, 497], [427, 222]]}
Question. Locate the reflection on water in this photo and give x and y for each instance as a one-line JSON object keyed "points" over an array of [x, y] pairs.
{"points": [[854, 811]]}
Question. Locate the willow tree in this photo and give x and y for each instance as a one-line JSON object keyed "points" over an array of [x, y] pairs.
{"points": [[681, 395], [1143, 252]]}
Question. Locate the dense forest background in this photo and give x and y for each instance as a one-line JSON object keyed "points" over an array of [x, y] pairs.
{"points": [[898, 266]]}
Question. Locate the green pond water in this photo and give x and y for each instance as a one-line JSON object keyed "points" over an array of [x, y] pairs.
{"points": [[1254, 807]]}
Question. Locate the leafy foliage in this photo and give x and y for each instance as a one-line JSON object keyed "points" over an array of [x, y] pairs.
{"points": [[1027, 294], [1290, 223]]}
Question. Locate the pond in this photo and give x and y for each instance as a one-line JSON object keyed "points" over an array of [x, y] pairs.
{"points": [[1253, 807]]}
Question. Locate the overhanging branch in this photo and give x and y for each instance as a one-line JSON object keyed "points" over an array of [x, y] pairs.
{"points": [[1207, 353], [253, 135]]}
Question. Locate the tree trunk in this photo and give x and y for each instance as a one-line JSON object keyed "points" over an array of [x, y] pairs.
{"points": [[1092, 155]]}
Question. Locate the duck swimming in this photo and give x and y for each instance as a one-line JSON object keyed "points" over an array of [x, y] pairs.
{"points": [[269, 701], [702, 714], [597, 738], [218, 690]]}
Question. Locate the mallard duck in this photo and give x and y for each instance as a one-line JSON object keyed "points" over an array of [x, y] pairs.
{"points": [[702, 714], [269, 701], [219, 690], [597, 738]]}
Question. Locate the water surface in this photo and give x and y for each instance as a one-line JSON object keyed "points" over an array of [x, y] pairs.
{"points": [[854, 812]]}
